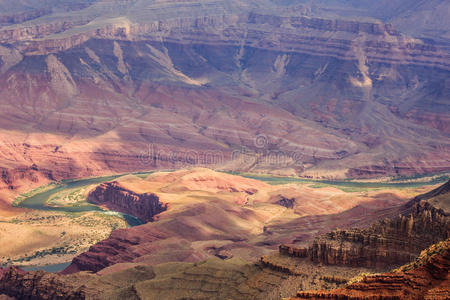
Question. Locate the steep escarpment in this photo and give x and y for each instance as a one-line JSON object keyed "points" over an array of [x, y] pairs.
{"points": [[425, 278], [121, 246], [300, 33], [23, 11], [395, 240], [41, 285], [115, 197], [387, 243], [38, 285], [20, 17], [242, 86]]}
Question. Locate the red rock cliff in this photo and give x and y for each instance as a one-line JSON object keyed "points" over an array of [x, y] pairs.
{"points": [[386, 243], [426, 278], [19, 284], [112, 195]]}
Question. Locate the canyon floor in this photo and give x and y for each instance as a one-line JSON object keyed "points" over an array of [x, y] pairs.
{"points": [[201, 223], [252, 205]]}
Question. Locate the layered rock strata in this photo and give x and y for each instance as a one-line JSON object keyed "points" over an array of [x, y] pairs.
{"points": [[426, 278], [112, 195], [38, 285], [387, 243], [301, 34], [292, 250], [86, 86]]}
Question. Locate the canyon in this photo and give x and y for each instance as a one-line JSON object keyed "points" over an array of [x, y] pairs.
{"points": [[99, 87], [267, 149], [427, 278], [182, 245], [232, 216], [388, 243]]}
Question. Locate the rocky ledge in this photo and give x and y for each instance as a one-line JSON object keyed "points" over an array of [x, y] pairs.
{"points": [[425, 278], [299, 34], [386, 243], [37, 285], [112, 195]]}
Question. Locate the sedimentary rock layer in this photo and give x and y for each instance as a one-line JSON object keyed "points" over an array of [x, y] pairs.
{"points": [[38, 285], [115, 197], [426, 278], [164, 84], [392, 242]]}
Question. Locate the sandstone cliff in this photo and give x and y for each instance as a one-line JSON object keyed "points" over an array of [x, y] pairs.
{"points": [[38, 285], [360, 84], [426, 278], [300, 34], [386, 243], [392, 241], [115, 197]]}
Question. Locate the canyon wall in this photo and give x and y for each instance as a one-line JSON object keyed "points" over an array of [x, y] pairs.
{"points": [[397, 240], [426, 278], [386, 243], [115, 197], [298, 34], [89, 90], [292, 250], [38, 285], [423, 223]]}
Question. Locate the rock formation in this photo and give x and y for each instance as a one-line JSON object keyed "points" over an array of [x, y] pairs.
{"points": [[292, 250], [212, 213], [198, 229], [386, 243], [38, 285], [211, 279], [167, 84], [115, 197], [426, 278], [355, 90], [424, 222], [389, 242]]}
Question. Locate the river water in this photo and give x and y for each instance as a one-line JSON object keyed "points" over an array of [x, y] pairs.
{"points": [[38, 201]]}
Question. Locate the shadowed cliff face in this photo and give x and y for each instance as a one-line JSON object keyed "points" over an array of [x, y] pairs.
{"points": [[425, 278], [387, 243], [131, 85], [395, 240], [172, 243], [423, 223], [112, 195]]}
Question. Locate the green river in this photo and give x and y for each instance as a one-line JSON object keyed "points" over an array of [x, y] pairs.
{"points": [[38, 200]]}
